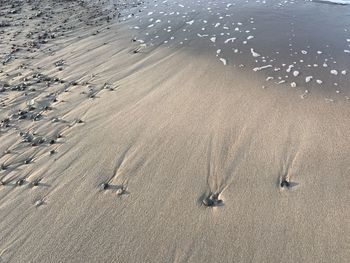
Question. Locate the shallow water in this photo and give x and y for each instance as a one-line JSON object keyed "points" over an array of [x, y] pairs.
{"points": [[299, 44], [339, 2]]}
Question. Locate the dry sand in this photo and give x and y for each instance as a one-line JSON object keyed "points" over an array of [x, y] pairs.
{"points": [[163, 127]]}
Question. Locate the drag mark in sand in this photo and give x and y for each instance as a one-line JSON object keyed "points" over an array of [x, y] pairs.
{"points": [[106, 185], [224, 155], [289, 166]]}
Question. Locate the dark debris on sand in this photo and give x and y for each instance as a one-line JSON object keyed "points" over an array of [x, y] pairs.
{"points": [[212, 200], [31, 29]]}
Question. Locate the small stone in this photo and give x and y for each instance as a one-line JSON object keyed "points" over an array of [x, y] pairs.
{"points": [[212, 200], [285, 183], [20, 182], [208, 202], [104, 186], [36, 182]]}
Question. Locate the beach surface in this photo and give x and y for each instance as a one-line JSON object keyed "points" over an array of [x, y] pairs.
{"points": [[174, 131]]}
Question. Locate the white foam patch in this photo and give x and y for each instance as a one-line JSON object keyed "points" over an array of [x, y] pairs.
{"points": [[289, 69], [232, 39], [201, 35], [223, 61], [254, 54], [261, 68], [308, 79], [334, 72]]}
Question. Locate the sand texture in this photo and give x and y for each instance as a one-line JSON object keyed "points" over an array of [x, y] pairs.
{"points": [[122, 141]]}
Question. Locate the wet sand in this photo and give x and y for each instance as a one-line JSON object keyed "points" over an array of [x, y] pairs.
{"points": [[162, 131]]}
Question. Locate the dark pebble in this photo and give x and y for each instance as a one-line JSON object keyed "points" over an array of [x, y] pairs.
{"points": [[36, 182], [208, 202], [212, 200], [20, 182], [104, 186], [285, 183]]}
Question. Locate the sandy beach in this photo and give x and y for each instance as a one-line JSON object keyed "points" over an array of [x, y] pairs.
{"points": [[174, 131]]}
